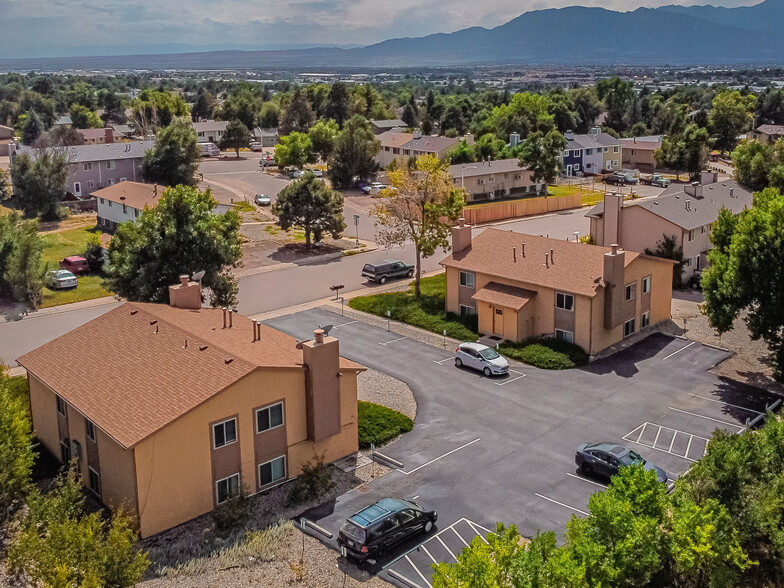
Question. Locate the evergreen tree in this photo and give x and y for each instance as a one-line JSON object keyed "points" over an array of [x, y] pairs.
{"points": [[175, 157], [32, 129], [310, 205], [355, 148]]}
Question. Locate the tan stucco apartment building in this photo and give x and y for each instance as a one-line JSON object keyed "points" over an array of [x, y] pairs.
{"points": [[524, 286], [494, 180], [177, 407], [685, 212]]}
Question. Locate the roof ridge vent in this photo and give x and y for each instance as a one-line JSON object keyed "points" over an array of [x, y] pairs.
{"points": [[202, 347]]}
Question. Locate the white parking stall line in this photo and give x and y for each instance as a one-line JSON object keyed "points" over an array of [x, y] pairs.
{"points": [[669, 449], [439, 457], [726, 403], [561, 504], [392, 341], [459, 536], [401, 578], [449, 551], [441, 361], [707, 418], [630, 436], [576, 477], [474, 526], [679, 350], [430, 555], [416, 569], [509, 381], [344, 324]]}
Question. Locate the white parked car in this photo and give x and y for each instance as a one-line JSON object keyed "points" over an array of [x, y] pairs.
{"points": [[59, 279], [481, 357], [255, 146]]}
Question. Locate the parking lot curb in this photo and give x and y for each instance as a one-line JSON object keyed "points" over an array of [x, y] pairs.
{"points": [[712, 346]]}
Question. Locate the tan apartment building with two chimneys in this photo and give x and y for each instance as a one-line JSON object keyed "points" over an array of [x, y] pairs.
{"points": [[178, 407], [523, 286]]}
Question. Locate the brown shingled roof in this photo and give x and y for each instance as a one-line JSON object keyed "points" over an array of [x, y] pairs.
{"points": [[134, 194], [578, 267], [149, 364], [503, 295]]}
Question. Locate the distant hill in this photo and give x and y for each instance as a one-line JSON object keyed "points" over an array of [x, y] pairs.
{"points": [[676, 35]]}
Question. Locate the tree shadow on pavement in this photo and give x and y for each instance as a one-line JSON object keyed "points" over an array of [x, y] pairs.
{"points": [[624, 362]]}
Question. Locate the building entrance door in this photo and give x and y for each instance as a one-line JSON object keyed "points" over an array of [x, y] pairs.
{"points": [[498, 321]]}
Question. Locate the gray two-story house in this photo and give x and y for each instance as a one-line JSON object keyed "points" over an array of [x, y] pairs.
{"points": [[592, 153], [93, 167]]}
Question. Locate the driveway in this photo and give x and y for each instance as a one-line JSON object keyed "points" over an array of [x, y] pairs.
{"points": [[486, 449]]}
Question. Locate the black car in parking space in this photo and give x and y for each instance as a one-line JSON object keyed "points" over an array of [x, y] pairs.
{"points": [[385, 269], [376, 528], [606, 459]]}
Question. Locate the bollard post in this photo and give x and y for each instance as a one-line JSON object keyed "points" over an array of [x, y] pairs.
{"points": [[444, 338], [389, 314]]}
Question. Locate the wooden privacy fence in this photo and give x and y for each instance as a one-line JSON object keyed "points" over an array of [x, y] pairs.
{"points": [[494, 211]]}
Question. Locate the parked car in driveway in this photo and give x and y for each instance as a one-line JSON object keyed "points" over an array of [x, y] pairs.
{"points": [[606, 459], [655, 180], [59, 279], [256, 146], [630, 179], [481, 357], [381, 271], [262, 200], [616, 179], [75, 264], [376, 528]]}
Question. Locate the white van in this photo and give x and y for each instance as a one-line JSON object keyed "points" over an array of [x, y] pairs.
{"points": [[209, 150]]}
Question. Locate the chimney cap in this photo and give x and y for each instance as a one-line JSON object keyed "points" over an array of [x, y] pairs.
{"points": [[184, 279], [614, 248], [318, 335]]}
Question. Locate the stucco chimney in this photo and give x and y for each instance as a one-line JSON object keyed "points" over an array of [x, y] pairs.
{"points": [[108, 136], [611, 233], [186, 294], [613, 276], [321, 358], [461, 236], [709, 177]]}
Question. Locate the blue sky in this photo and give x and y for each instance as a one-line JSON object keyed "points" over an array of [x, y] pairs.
{"points": [[44, 28]]}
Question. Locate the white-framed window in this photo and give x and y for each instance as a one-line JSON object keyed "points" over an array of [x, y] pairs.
{"points": [[589, 151], [615, 163], [704, 229], [634, 152], [78, 188], [630, 292], [89, 429], [125, 209], [466, 310], [87, 166], [272, 471], [102, 201], [228, 488], [224, 433], [628, 328], [123, 179], [111, 164], [566, 153], [467, 279], [95, 481], [691, 235], [112, 181], [136, 212], [564, 301], [576, 167], [687, 262], [646, 284], [269, 417], [65, 451], [90, 184], [110, 203], [61, 406], [564, 335], [616, 149], [606, 149], [645, 319]]}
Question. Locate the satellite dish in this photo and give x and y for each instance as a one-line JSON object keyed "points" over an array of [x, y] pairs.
{"points": [[326, 329], [198, 276]]}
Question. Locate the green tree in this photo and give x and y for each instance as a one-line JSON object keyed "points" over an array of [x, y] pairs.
{"points": [[154, 109], [671, 155], [731, 114], [588, 106], [294, 149], [32, 128], [323, 136], [175, 157], [409, 117], [93, 252], [16, 445], [84, 118], [617, 95], [5, 185], [59, 136], [564, 111], [355, 148], [453, 120], [204, 107], [40, 182], [758, 166], [61, 545], [83, 94], [668, 248], [180, 235], [236, 136], [462, 153], [421, 209], [310, 205], [24, 268], [541, 154], [338, 104], [695, 149], [747, 275], [298, 116], [488, 147], [113, 109], [243, 104]]}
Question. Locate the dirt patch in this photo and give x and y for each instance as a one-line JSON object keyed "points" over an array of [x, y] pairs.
{"points": [[72, 222]]}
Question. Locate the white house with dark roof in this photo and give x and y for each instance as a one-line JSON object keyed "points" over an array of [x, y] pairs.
{"points": [[591, 153], [210, 131], [686, 212]]}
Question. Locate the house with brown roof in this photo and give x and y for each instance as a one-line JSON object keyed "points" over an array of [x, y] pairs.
{"points": [[524, 286], [638, 153], [179, 407], [395, 144], [686, 212], [100, 136], [6, 136], [124, 202], [494, 180], [766, 134]]}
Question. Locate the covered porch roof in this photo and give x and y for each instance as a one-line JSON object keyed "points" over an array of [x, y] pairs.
{"points": [[503, 295]]}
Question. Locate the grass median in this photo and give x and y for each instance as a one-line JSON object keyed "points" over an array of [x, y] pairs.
{"points": [[378, 424], [426, 312]]}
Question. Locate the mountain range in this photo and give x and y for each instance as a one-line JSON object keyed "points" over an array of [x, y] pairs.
{"points": [[674, 35]]}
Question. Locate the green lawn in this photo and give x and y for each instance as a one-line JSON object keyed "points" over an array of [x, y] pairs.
{"points": [[60, 245], [548, 354], [428, 312], [378, 424]]}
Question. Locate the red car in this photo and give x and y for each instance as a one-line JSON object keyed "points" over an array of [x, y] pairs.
{"points": [[75, 264]]}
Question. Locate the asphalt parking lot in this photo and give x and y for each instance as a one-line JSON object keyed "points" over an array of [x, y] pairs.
{"points": [[502, 449]]}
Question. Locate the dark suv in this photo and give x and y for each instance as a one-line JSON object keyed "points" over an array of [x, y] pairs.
{"points": [[382, 270], [617, 178], [378, 527]]}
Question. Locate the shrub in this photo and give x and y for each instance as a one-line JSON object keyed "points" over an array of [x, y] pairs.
{"points": [[16, 442], [427, 312], [232, 513], [378, 424], [93, 252], [548, 354], [314, 481]]}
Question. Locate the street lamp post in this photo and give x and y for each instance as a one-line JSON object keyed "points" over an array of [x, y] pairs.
{"points": [[356, 224]]}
